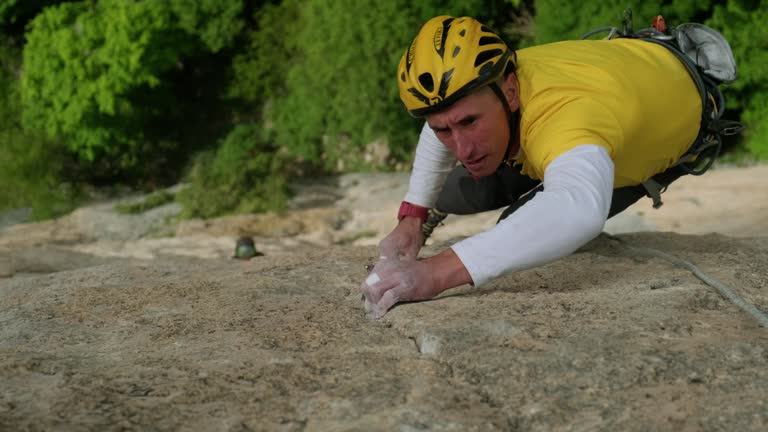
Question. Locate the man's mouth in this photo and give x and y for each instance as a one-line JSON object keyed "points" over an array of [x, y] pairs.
{"points": [[476, 161]]}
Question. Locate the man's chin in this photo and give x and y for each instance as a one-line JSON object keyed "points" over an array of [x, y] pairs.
{"points": [[484, 167], [480, 171]]}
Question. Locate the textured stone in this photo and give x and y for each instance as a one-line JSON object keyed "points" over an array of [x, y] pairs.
{"points": [[282, 343]]}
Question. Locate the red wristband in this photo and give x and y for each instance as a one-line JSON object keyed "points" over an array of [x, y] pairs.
{"points": [[408, 209]]}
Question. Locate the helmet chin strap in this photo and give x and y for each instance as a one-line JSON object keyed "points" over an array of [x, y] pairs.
{"points": [[513, 119]]}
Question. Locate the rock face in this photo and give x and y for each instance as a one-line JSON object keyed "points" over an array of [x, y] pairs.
{"points": [[601, 340], [359, 209]]}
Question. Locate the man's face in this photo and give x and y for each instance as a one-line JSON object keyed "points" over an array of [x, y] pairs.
{"points": [[476, 129]]}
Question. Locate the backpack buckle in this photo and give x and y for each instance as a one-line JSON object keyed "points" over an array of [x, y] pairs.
{"points": [[726, 127]]}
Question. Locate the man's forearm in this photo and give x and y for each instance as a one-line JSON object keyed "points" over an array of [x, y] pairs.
{"points": [[570, 211], [446, 268], [448, 271], [431, 166]]}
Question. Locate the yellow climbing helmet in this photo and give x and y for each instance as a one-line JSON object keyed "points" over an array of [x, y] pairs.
{"points": [[448, 59]]}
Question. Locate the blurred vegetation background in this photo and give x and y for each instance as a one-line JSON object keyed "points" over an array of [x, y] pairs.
{"points": [[238, 97]]}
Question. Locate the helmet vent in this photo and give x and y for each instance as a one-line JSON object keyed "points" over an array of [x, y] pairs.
{"points": [[456, 51], [486, 69], [463, 31], [487, 55], [427, 82], [402, 76], [487, 40]]}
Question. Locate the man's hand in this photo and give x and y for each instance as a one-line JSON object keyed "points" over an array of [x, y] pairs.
{"points": [[393, 280], [404, 241]]}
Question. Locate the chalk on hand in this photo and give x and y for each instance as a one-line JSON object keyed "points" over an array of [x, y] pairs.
{"points": [[372, 279]]}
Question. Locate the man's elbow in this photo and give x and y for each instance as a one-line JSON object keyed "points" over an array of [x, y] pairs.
{"points": [[590, 224], [595, 227]]}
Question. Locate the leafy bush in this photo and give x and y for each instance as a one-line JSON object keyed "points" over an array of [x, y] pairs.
{"points": [[322, 75], [31, 168], [260, 68], [10, 68], [123, 83], [15, 14], [743, 24], [215, 22], [559, 20], [32, 177], [757, 133], [246, 174], [327, 70], [80, 63], [132, 88]]}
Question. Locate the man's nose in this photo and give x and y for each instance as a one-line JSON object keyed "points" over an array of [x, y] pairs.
{"points": [[463, 145]]}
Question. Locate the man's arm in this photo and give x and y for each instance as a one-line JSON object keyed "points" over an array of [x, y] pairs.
{"points": [[431, 166], [570, 211]]}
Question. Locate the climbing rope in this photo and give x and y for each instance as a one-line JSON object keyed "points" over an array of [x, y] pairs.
{"points": [[724, 290]]}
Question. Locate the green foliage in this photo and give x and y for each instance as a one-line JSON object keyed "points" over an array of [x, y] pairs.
{"points": [[216, 22], [7, 11], [756, 118], [31, 168], [125, 91], [328, 68], [260, 68], [245, 174], [32, 177], [14, 14], [80, 62], [10, 67], [5, 8], [111, 78], [743, 25], [560, 20]]}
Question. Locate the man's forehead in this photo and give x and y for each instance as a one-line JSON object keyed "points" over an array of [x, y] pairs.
{"points": [[454, 114], [473, 104]]}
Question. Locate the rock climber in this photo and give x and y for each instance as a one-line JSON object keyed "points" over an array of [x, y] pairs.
{"points": [[564, 135]]}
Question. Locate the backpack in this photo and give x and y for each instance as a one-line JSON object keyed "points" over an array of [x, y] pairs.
{"points": [[709, 60]]}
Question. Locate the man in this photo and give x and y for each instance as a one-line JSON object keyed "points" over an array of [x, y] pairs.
{"points": [[582, 125]]}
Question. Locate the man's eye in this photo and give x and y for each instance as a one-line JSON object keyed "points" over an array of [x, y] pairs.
{"points": [[467, 121]]}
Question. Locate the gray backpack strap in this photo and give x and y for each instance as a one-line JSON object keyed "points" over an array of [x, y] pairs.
{"points": [[654, 190]]}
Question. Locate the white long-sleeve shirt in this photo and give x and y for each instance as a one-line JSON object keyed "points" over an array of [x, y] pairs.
{"points": [[570, 211]]}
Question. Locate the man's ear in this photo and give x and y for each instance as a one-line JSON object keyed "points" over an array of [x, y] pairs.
{"points": [[511, 89]]}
